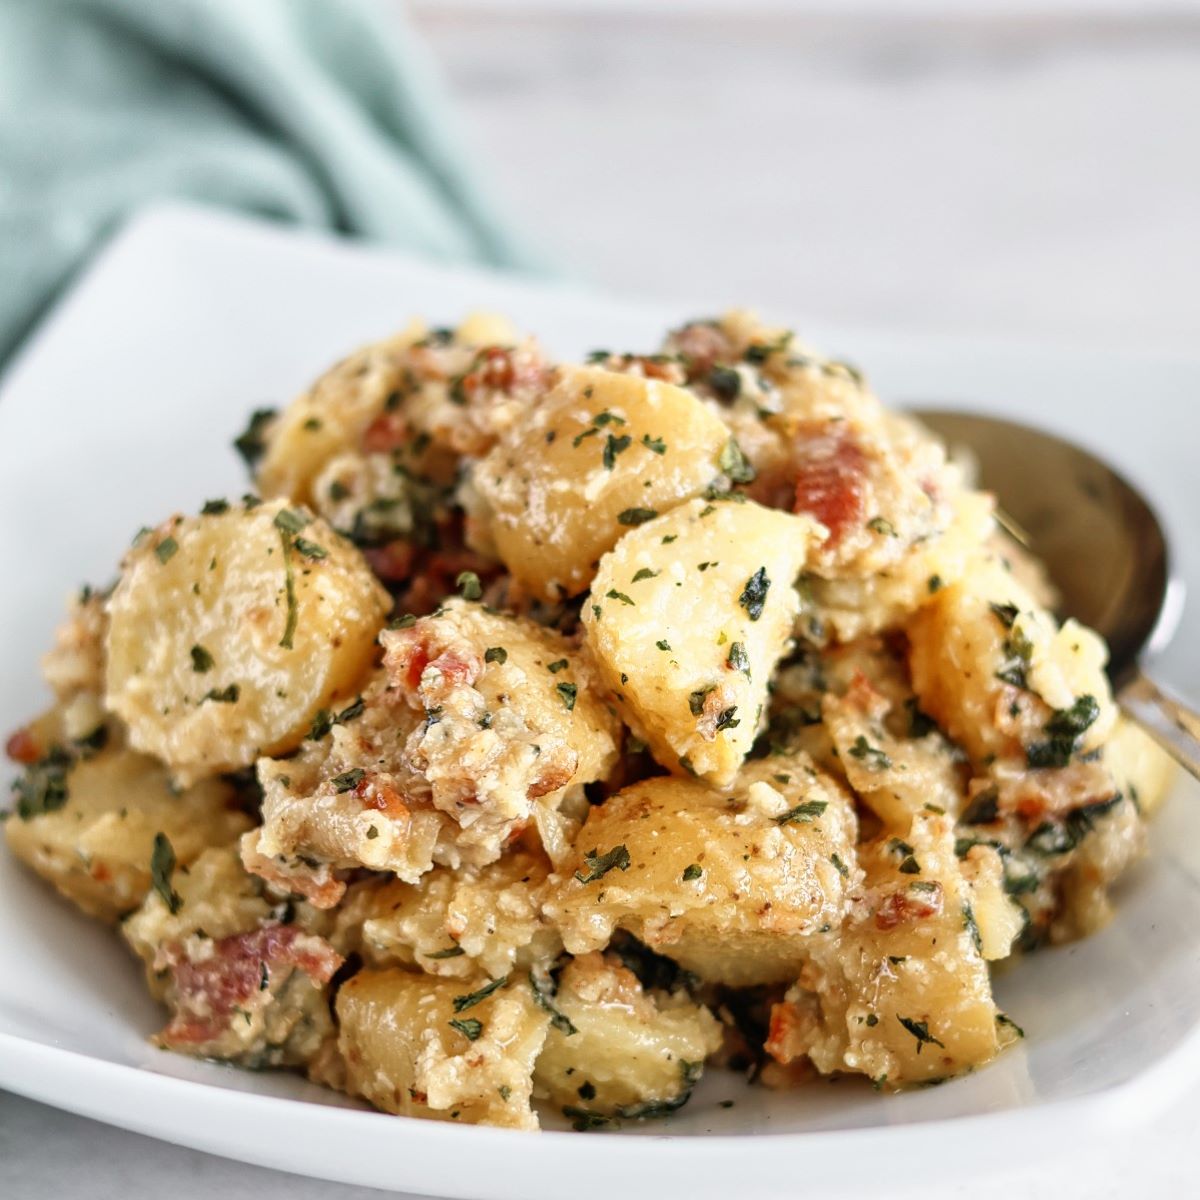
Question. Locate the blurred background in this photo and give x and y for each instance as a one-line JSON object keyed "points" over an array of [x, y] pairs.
{"points": [[991, 167]]}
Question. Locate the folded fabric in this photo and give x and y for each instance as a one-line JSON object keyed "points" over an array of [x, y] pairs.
{"points": [[323, 112]]}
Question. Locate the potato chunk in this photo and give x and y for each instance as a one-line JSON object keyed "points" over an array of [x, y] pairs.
{"points": [[475, 723], [688, 616], [87, 822], [732, 885], [228, 631], [454, 922], [245, 978], [601, 452], [616, 1050], [441, 1048], [901, 993]]}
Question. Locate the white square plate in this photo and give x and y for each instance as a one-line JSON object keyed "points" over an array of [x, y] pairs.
{"points": [[122, 410]]}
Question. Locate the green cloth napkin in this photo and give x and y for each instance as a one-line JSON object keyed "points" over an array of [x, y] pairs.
{"points": [[327, 113]]}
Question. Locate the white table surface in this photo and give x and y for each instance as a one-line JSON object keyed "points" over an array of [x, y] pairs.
{"points": [[1016, 177]]}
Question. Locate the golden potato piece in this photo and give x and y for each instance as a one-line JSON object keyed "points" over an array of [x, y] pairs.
{"points": [[615, 1050], [441, 1048], [732, 885], [228, 631], [88, 824], [245, 978], [1143, 770], [601, 453], [455, 923], [901, 993], [688, 617]]}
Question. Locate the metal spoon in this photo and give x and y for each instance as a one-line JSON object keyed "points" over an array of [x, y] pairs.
{"points": [[1104, 548]]}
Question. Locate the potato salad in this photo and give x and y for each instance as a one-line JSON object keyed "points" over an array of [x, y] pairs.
{"points": [[533, 736]]}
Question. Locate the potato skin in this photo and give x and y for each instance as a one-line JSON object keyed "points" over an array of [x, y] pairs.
{"points": [[621, 1051], [96, 848], [764, 889], [600, 445], [400, 1052], [213, 658], [688, 616]]}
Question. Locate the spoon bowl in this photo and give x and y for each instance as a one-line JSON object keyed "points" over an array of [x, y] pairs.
{"points": [[1102, 544]]}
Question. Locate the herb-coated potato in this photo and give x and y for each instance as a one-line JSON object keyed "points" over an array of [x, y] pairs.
{"points": [[601, 453], [228, 631], [616, 1050], [420, 1046], [245, 978], [901, 993], [688, 616], [455, 923], [1142, 768], [87, 824], [733, 885]]}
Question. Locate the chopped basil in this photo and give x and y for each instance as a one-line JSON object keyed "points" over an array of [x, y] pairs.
{"points": [[289, 587], [1009, 1023], [984, 809], [920, 1030], [804, 813], [612, 447], [655, 444], [972, 927], [347, 781], [162, 867], [558, 1020], [560, 665], [469, 1027], [839, 866], [644, 573], [310, 549], [870, 756], [568, 692], [290, 521], [636, 516], [692, 871], [882, 525], [495, 654], [227, 695], [250, 444], [468, 585], [166, 550], [919, 724], [738, 659], [735, 464], [449, 952], [213, 508], [613, 594], [1006, 614], [727, 719], [754, 594], [663, 644], [1018, 652], [462, 1003], [599, 865], [42, 788], [201, 660], [934, 584]]}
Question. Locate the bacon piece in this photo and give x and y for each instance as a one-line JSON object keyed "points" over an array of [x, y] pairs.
{"points": [[22, 747], [831, 479], [208, 991], [557, 769], [389, 431], [412, 656], [783, 1033], [703, 346], [376, 793], [318, 885], [393, 561], [908, 905]]}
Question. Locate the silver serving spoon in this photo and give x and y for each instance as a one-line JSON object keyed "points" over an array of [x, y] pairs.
{"points": [[1104, 548]]}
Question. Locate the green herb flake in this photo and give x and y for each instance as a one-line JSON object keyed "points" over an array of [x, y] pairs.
{"points": [[613, 594], [449, 952], [657, 445], [725, 382], [754, 594], [920, 1030], [469, 1027], [839, 866], [468, 585], [162, 867], [735, 464], [636, 516], [214, 508], [882, 525], [558, 1020], [495, 654], [42, 787], [645, 573], [462, 1003], [870, 756], [250, 444], [289, 587], [934, 584], [310, 549], [347, 781], [612, 447], [599, 865], [166, 550], [664, 645], [803, 814], [290, 521], [226, 695], [568, 693], [559, 665], [692, 871], [201, 660], [738, 659]]}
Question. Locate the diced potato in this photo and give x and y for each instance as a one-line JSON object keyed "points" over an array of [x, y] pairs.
{"points": [[87, 824], [998, 917], [688, 616], [425, 1047], [455, 923], [474, 721], [901, 993], [245, 979], [615, 1050], [991, 667], [732, 885], [1141, 767], [227, 632], [594, 458], [76, 663]]}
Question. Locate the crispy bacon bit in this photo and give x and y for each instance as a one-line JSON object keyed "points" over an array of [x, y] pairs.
{"points": [[208, 992], [318, 885], [22, 747], [831, 479], [499, 369], [377, 794], [393, 561], [389, 431], [863, 695], [783, 1032], [908, 905], [425, 668], [703, 346], [557, 769]]}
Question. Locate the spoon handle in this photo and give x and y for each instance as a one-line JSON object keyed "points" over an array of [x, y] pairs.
{"points": [[1170, 722]]}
